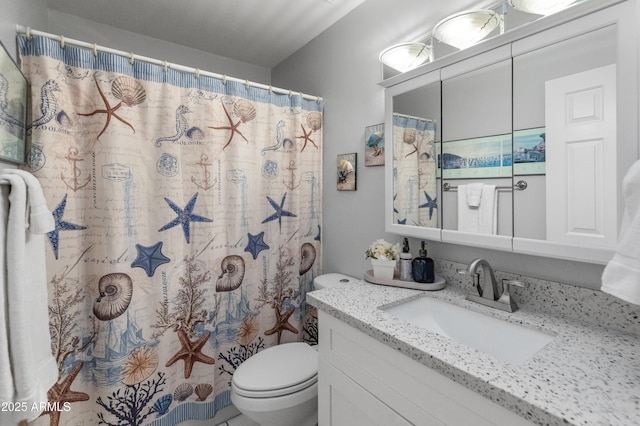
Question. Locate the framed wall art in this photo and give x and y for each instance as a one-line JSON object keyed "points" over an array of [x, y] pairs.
{"points": [[347, 172], [529, 151], [486, 157], [13, 110], [374, 145]]}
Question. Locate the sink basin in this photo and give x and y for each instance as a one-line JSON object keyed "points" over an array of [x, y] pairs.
{"points": [[508, 342]]}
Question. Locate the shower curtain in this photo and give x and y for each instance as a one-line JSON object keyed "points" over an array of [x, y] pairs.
{"points": [[414, 169], [187, 213]]}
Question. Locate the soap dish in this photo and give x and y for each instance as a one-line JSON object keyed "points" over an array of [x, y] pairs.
{"points": [[438, 284]]}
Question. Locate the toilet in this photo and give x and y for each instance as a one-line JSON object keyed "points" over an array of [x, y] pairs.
{"points": [[279, 386]]}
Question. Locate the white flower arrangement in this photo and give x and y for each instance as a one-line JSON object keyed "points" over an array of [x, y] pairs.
{"points": [[382, 250]]}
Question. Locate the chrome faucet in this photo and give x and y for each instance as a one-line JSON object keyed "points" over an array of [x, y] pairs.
{"points": [[487, 288]]}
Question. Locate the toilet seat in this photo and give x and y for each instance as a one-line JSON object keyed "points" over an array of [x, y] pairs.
{"points": [[277, 371]]}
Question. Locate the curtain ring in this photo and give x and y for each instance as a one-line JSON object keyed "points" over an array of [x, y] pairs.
{"points": [[270, 89], [95, 49], [29, 35], [132, 58], [290, 93], [197, 72], [224, 79], [62, 41], [246, 84], [165, 65]]}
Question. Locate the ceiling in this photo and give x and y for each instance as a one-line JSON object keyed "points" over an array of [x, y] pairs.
{"points": [[259, 32]]}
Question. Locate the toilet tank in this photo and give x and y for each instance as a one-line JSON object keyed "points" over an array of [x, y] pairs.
{"points": [[331, 280]]}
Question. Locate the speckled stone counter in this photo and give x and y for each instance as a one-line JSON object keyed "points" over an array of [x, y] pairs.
{"points": [[588, 375]]}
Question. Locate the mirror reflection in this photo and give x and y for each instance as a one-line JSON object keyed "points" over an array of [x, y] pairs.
{"points": [[415, 137], [531, 72], [477, 149]]}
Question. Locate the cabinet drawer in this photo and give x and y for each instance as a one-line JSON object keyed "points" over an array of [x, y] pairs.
{"points": [[349, 404]]}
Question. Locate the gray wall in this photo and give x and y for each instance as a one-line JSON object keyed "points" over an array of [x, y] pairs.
{"points": [[342, 66], [81, 29], [32, 13]]}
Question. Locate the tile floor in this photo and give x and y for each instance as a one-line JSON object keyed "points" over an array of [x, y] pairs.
{"points": [[240, 420]]}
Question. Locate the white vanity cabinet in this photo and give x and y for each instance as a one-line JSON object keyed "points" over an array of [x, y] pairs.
{"points": [[363, 382]]}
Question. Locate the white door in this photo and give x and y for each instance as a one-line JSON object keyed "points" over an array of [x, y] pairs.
{"points": [[580, 118]]}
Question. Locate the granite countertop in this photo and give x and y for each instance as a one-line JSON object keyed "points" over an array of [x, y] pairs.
{"points": [[588, 375]]}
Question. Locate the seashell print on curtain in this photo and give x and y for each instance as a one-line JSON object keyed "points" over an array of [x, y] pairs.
{"points": [[187, 232]]}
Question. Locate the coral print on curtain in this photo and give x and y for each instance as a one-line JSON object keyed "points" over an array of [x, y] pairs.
{"points": [[187, 213]]}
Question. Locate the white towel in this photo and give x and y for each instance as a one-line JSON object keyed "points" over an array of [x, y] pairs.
{"points": [[474, 194], [482, 219], [27, 366], [621, 276]]}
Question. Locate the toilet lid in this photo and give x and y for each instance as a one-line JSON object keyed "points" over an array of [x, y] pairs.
{"points": [[278, 370]]}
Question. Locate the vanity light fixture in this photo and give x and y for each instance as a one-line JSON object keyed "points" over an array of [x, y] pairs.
{"points": [[541, 7], [405, 56], [467, 28]]}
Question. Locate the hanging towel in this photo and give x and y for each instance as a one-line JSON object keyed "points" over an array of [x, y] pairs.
{"points": [[481, 219], [621, 276], [474, 194], [27, 366]]}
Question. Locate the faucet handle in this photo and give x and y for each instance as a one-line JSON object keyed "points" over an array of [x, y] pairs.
{"points": [[463, 271], [507, 282]]}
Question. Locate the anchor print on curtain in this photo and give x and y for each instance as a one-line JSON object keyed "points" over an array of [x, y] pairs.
{"points": [[187, 235]]}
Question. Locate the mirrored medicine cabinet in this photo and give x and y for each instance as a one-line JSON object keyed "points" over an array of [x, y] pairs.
{"points": [[545, 117]]}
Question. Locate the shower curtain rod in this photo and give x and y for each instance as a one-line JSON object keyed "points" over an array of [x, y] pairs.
{"points": [[20, 29]]}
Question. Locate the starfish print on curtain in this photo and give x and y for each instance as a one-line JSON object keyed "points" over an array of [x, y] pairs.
{"points": [[280, 211], [61, 394], [177, 212], [149, 258], [134, 96], [185, 217], [190, 352], [245, 110], [61, 225]]}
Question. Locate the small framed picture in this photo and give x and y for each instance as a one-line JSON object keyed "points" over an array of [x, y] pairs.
{"points": [[374, 145], [347, 172]]}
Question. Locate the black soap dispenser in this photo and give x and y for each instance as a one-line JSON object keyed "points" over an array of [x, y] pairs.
{"points": [[423, 267]]}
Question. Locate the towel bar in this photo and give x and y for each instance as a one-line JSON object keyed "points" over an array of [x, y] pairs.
{"points": [[521, 185]]}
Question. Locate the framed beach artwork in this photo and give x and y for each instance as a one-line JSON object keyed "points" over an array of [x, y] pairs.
{"points": [[486, 157], [529, 153], [374, 145], [13, 110], [347, 172]]}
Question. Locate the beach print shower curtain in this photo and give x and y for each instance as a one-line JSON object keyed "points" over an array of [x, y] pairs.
{"points": [[187, 213], [414, 169]]}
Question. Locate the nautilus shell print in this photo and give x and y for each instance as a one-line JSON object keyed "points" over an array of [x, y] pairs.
{"points": [[115, 290], [232, 273], [245, 110], [128, 90], [307, 257], [314, 120]]}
